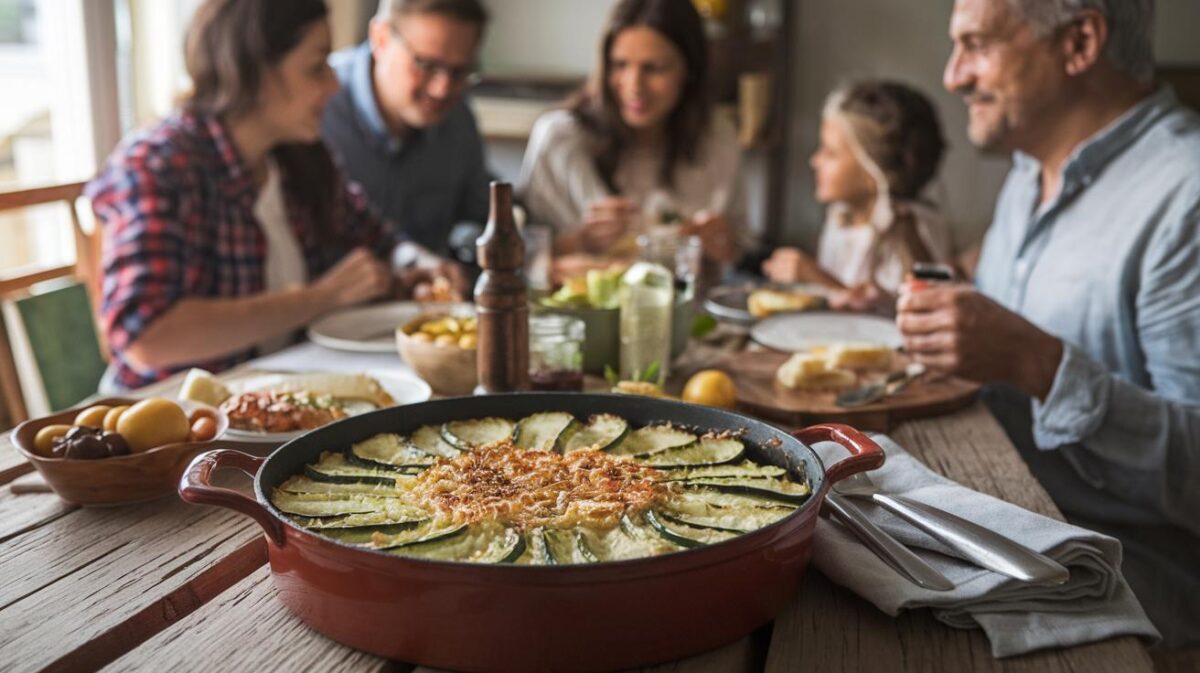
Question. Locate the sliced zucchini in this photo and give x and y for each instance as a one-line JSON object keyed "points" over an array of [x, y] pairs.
{"points": [[304, 484], [628, 541], [379, 517], [602, 432], [541, 431], [430, 531], [685, 535], [480, 543], [466, 435], [770, 489], [745, 469], [654, 439], [389, 451], [428, 438], [700, 500], [536, 551], [697, 522], [707, 451], [568, 546], [364, 534], [334, 469], [323, 505], [744, 518]]}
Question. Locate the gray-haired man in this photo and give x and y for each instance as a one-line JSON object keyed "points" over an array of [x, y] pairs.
{"points": [[400, 126], [1087, 311]]}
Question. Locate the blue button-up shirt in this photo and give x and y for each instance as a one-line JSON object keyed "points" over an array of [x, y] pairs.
{"points": [[1111, 265], [426, 182]]}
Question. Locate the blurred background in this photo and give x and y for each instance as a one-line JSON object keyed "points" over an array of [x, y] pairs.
{"points": [[75, 75]]}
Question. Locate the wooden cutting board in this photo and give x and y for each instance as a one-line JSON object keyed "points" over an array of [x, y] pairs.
{"points": [[760, 394]]}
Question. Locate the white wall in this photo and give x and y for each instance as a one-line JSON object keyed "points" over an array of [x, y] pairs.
{"points": [[906, 39], [545, 37]]}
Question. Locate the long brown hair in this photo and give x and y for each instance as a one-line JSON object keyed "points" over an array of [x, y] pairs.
{"points": [[596, 108], [231, 47]]}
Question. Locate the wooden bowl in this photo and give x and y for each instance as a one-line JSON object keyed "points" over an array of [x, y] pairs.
{"points": [[118, 480], [449, 370]]}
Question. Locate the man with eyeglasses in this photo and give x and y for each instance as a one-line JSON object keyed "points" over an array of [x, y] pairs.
{"points": [[400, 126]]}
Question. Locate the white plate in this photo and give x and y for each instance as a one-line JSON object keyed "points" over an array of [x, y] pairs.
{"points": [[793, 332], [364, 329], [404, 388], [728, 302]]}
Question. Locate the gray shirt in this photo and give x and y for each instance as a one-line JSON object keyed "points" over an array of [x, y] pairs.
{"points": [[1111, 266], [426, 182]]}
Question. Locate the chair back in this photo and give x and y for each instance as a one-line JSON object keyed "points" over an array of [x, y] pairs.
{"points": [[21, 379]]}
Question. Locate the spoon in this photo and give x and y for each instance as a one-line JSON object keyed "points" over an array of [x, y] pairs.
{"points": [[874, 392]]}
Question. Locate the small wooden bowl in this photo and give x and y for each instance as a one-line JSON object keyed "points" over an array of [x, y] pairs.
{"points": [[449, 370], [119, 480]]}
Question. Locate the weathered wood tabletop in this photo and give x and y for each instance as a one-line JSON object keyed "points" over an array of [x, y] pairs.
{"points": [[172, 586]]}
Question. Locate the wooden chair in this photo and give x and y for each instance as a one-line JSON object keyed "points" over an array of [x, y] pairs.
{"points": [[23, 302]]}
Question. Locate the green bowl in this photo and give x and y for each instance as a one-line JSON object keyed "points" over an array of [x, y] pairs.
{"points": [[602, 332]]}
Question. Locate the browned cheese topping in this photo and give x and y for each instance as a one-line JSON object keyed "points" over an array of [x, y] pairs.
{"points": [[539, 488]]}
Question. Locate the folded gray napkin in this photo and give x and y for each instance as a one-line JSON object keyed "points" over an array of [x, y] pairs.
{"points": [[1096, 603]]}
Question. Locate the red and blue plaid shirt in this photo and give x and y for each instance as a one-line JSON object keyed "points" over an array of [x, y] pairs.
{"points": [[177, 208]]}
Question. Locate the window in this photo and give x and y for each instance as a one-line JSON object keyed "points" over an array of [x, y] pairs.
{"points": [[46, 126]]}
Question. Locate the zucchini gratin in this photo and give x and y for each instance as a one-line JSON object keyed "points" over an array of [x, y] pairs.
{"points": [[545, 490]]}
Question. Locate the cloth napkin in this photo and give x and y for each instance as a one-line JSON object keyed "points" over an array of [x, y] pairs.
{"points": [[1095, 604]]}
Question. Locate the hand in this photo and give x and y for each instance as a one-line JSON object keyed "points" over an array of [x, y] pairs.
{"points": [[792, 265], [606, 221], [356, 278], [716, 240], [863, 298], [445, 282], [953, 328]]}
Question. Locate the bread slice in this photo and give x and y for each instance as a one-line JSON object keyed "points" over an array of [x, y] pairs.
{"points": [[858, 355], [806, 371], [766, 301]]}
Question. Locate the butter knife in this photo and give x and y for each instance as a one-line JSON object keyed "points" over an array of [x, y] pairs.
{"points": [[896, 555], [983, 546]]}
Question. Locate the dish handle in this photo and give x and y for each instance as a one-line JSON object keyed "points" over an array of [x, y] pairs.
{"points": [[865, 454], [195, 487]]}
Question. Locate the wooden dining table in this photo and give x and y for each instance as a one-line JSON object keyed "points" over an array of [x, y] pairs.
{"points": [[166, 585]]}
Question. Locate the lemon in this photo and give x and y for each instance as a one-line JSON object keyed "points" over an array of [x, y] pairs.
{"points": [[711, 387]]}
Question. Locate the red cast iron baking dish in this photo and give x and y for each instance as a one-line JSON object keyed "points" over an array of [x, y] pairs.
{"points": [[493, 618]]}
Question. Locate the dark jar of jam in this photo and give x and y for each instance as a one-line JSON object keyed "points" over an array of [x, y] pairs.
{"points": [[555, 353]]}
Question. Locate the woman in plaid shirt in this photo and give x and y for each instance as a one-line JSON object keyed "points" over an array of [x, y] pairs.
{"points": [[227, 226]]}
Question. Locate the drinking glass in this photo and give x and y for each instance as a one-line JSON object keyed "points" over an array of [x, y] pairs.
{"points": [[678, 253]]}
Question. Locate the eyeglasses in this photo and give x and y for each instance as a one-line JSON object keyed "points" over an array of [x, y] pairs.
{"points": [[432, 67]]}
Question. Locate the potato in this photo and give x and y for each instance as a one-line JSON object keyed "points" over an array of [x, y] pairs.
{"points": [[203, 429], [446, 340], [113, 415], [43, 441], [202, 413], [153, 422], [92, 417], [468, 341]]}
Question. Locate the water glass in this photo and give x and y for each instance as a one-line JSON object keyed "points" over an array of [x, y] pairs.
{"points": [[678, 253]]}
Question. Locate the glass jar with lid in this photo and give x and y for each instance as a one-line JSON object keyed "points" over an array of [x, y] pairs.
{"points": [[556, 352]]}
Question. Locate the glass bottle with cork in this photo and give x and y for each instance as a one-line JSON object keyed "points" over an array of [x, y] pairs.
{"points": [[503, 326]]}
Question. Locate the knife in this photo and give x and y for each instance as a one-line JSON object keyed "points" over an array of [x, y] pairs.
{"points": [[896, 555], [981, 545]]}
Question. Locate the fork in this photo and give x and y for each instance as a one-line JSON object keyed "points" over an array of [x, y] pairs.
{"points": [[982, 546]]}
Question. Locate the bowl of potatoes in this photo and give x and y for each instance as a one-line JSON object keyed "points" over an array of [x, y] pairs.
{"points": [[440, 346], [118, 451]]}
